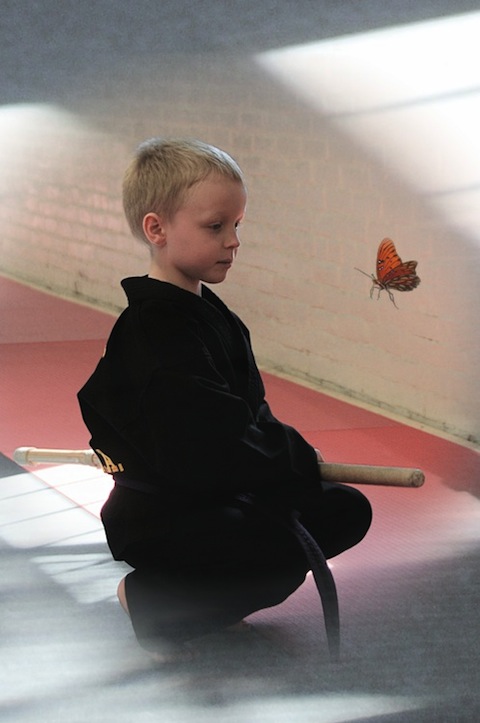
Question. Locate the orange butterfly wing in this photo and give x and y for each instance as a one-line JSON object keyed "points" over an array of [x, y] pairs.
{"points": [[392, 272], [387, 259]]}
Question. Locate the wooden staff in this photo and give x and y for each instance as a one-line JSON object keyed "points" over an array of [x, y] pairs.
{"points": [[34, 455], [367, 474], [330, 472]]}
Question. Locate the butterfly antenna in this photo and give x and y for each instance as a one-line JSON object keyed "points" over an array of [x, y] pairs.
{"points": [[370, 276]]}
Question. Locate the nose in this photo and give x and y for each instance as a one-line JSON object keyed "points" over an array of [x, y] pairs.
{"points": [[233, 240]]}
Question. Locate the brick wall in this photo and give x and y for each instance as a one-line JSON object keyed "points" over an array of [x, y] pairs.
{"points": [[319, 204]]}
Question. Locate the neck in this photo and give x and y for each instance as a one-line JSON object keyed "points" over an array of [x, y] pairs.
{"points": [[194, 287]]}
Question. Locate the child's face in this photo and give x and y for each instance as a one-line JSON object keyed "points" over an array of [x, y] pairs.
{"points": [[201, 240]]}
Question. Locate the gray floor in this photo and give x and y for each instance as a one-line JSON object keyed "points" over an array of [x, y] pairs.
{"points": [[410, 634]]}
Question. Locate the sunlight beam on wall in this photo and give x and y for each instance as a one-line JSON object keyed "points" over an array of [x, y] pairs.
{"points": [[410, 96]]}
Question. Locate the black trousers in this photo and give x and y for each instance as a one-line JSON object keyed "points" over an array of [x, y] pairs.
{"points": [[221, 563]]}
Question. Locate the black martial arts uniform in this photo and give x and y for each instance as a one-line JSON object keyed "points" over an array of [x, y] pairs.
{"points": [[177, 414]]}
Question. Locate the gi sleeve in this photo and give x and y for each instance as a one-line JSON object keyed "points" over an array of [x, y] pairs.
{"points": [[209, 440]]}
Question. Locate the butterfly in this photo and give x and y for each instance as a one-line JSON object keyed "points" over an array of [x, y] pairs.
{"points": [[392, 272]]}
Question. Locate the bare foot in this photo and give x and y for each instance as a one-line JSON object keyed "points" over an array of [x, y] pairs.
{"points": [[122, 596]]}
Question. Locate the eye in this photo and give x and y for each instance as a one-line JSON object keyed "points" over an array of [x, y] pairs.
{"points": [[216, 226]]}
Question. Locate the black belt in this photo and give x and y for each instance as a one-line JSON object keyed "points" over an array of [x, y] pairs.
{"points": [[322, 575]]}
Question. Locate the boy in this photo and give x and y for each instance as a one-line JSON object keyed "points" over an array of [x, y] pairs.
{"points": [[177, 413]]}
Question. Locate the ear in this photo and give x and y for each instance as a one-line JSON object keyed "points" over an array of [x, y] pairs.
{"points": [[153, 229]]}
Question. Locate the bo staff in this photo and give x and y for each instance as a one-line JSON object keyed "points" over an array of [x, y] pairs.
{"points": [[330, 472], [34, 455], [366, 474]]}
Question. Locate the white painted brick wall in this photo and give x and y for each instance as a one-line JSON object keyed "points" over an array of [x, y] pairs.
{"points": [[319, 205]]}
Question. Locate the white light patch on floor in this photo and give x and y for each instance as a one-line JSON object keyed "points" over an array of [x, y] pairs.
{"points": [[35, 515], [326, 708], [87, 486], [89, 578]]}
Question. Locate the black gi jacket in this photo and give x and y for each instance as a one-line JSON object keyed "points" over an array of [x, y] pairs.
{"points": [[176, 405]]}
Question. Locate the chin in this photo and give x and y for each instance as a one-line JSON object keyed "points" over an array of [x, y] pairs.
{"points": [[216, 278]]}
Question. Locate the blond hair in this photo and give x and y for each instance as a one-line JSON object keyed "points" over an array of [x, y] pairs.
{"points": [[163, 170]]}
